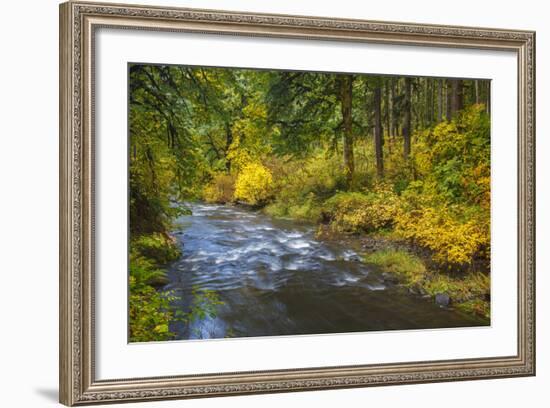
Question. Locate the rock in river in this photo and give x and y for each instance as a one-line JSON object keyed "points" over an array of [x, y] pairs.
{"points": [[442, 299]]}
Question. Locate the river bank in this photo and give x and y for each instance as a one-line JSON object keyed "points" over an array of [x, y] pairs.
{"points": [[276, 277], [411, 266]]}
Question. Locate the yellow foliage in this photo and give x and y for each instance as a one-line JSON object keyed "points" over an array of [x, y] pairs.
{"points": [[354, 212], [254, 184], [220, 189], [249, 136], [452, 241]]}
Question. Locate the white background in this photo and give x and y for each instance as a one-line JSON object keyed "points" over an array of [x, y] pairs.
{"points": [[28, 220]]}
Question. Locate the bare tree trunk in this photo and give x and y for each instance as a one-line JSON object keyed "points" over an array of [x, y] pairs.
{"points": [[426, 110], [228, 142], [488, 107], [393, 112], [431, 115], [449, 98], [457, 100], [346, 86], [407, 120], [440, 100], [378, 131], [386, 116]]}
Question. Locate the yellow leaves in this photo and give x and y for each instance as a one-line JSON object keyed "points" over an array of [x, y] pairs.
{"points": [[249, 136], [455, 234], [161, 328], [452, 241], [255, 111], [355, 212], [254, 184]]}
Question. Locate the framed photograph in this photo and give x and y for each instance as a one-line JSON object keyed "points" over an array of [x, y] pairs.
{"points": [[256, 203]]}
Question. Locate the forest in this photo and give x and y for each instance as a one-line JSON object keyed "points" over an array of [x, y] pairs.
{"points": [[398, 167]]}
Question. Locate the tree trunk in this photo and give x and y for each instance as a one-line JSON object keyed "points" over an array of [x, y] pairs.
{"points": [[393, 113], [386, 114], [228, 142], [457, 100], [346, 86], [449, 98], [488, 105], [407, 120], [425, 113], [378, 135], [439, 100]]}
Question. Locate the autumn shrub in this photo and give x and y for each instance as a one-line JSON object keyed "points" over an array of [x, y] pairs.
{"points": [[447, 208], [362, 212], [452, 241], [254, 184], [220, 189]]}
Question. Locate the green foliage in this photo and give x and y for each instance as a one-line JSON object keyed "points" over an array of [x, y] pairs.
{"points": [[455, 156], [469, 293], [149, 313], [307, 209], [302, 185], [160, 248], [205, 304], [404, 265], [149, 309], [274, 139], [478, 307], [145, 272]]}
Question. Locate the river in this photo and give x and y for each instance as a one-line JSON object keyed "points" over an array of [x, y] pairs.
{"points": [[275, 278]]}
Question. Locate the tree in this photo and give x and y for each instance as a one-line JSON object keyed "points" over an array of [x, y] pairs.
{"points": [[407, 119], [378, 131], [439, 100], [346, 87], [457, 99]]}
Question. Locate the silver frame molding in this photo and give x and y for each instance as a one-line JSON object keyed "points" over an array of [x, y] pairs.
{"points": [[78, 22]]}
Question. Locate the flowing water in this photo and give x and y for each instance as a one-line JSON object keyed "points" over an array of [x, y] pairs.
{"points": [[275, 278]]}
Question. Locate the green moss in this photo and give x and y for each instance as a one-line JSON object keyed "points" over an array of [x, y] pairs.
{"points": [[304, 209], [477, 307], [277, 209], [469, 292], [406, 267]]}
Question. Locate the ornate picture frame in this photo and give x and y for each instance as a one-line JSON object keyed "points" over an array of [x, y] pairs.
{"points": [[78, 24]]}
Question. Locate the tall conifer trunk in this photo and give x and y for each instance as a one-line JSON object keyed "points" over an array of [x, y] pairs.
{"points": [[407, 120], [378, 135], [346, 86]]}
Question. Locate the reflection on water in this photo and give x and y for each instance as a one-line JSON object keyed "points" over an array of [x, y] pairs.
{"points": [[275, 278]]}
